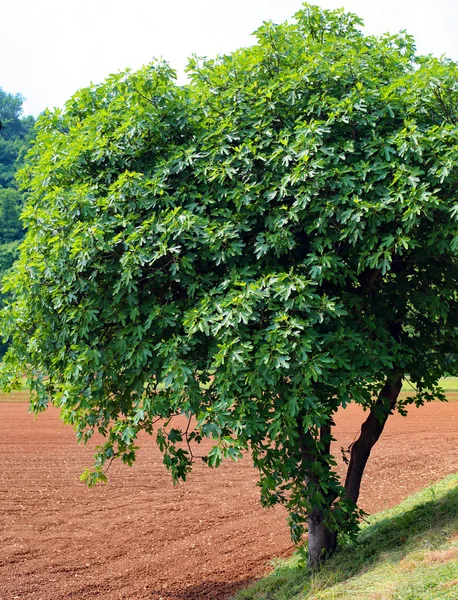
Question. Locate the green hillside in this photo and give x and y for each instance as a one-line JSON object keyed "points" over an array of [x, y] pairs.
{"points": [[407, 553]]}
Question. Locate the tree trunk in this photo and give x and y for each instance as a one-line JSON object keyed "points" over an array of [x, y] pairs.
{"points": [[371, 430], [321, 541]]}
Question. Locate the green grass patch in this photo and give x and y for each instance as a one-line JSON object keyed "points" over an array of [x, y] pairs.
{"points": [[449, 384], [15, 396], [409, 552]]}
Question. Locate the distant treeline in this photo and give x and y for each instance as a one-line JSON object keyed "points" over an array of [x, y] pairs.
{"points": [[16, 134]]}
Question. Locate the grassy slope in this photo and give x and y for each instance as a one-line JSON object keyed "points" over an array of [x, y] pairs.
{"points": [[409, 552]]}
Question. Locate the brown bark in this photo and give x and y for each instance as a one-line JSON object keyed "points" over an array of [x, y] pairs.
{"points": [[321, 541], [371, 430]]}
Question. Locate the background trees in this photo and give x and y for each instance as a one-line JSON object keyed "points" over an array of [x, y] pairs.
{"points": [[15, 135], [255, 250], [15, 132]]}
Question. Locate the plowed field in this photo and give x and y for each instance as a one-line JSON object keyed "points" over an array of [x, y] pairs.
{"points": [[139, 537]]}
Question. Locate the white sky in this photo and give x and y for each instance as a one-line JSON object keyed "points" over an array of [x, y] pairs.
{"points": [[50, 48]]}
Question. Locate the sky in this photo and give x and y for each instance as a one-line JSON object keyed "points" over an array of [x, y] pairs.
{"points": [[51, 48]]}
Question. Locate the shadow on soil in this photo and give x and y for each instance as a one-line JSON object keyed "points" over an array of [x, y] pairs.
{"points": [[209, 590]]}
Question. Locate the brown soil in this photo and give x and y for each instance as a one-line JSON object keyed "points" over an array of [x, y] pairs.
{"points": [[140, 537]]}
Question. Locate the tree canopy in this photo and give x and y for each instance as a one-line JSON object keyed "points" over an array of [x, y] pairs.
{"points": [[255, 250]]}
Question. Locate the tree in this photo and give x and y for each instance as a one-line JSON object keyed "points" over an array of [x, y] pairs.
{"points": [[255, 250]]}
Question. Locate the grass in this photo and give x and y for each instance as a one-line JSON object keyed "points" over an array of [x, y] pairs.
{"points": [[15, 396], [409, 552], [449, 384]]}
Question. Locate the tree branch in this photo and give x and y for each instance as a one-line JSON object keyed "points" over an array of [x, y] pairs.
{"points": [[371, 430]]}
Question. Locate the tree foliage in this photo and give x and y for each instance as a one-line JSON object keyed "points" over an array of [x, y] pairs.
{"points": [[254, 250]]}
